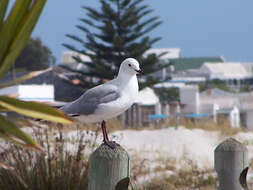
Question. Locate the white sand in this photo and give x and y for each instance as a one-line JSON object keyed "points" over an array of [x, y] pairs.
{"points": [[179, 144]]}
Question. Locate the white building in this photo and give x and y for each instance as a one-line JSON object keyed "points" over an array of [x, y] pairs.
{"points": [[234, 73], [227, 70], [41, 93], [67, 59], [147, 104], [147, 97], [189, 97], [214, 102], [171, 53]]}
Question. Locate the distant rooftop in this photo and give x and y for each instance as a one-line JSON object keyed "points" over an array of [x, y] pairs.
{"points": [[67, 57], [229, 70], [147, 97], [186, 63], [215, 92], [171, 53]]}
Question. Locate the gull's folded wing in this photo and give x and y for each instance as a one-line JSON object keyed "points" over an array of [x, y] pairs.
{"points": [[89, 101]]}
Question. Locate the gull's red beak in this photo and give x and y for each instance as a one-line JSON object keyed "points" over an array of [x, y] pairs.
{"points": [[139, 71]]}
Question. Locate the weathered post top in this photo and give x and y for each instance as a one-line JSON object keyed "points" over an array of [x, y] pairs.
{"points": [[107, 167], [230, 159], [108, 153], [231, 144]]}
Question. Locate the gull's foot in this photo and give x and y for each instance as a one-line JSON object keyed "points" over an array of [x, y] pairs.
{"points": [[111, 144]]}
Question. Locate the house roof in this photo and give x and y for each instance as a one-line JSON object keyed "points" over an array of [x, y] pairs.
{"points": [[147, 97], [67, 57], [227, 70], [63, 90], [171, 53], [170, 84], [187, 63], [215, 92]]}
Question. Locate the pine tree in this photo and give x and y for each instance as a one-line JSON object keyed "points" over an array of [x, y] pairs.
{"points": [[117, 31]]}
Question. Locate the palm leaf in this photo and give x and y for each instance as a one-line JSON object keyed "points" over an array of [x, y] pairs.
{"points": [[34, 109], [9, 27], [22, 35], [11, 132]]}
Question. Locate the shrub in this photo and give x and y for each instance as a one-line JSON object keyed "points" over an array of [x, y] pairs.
{"points": [[56, 168]]}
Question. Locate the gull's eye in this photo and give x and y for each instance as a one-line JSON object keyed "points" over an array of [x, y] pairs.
{"points": [[129, 65]]}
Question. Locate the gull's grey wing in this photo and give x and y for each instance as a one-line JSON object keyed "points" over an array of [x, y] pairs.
{"points": [[89, 101]]}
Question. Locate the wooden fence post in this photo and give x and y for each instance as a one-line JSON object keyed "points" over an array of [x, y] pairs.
{"points": [[107, 168], [230, 159]]}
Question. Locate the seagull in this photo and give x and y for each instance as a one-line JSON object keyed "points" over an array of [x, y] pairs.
{"points": [[107, 100]]}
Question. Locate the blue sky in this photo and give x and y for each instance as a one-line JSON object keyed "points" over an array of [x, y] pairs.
{"points": [[199, 28]]}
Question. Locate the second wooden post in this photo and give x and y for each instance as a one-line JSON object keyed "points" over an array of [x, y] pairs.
{"points": [[231, 157]]}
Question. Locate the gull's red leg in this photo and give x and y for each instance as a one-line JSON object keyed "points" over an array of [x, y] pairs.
{"points": [[105, 136], [106, 141]]}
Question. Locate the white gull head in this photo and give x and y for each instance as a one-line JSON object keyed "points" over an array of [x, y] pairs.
{"points": [[130, 66]]}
